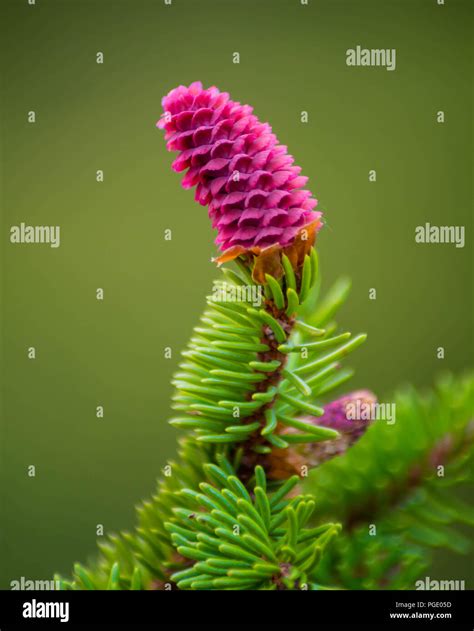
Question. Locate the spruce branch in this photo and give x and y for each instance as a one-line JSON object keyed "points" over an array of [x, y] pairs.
{"points": [[246, 540], [148, 558], [236, 510], [400, 479]]}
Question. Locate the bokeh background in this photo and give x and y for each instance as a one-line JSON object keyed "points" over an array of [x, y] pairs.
{"points": [[89, 116]]}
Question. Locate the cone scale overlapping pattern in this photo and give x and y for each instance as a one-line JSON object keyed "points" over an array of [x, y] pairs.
{"points": [[254, 192]]}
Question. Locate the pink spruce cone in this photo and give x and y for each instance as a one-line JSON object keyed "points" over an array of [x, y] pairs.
{"points": [[341, 415], [255, 195]]}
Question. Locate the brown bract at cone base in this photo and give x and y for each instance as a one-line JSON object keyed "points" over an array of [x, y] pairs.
{"points": [[268, 260]]}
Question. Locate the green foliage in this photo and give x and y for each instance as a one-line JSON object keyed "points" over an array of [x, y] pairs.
{"points": [[240, 540], [244, 360], [216, 521], [400, 478], [238, 380]]}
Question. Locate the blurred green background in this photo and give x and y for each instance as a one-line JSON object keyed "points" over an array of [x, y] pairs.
{"points": [[89, 116]]}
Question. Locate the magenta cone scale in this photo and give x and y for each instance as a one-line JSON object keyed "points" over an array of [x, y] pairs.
{"points": [[254, 192]]}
